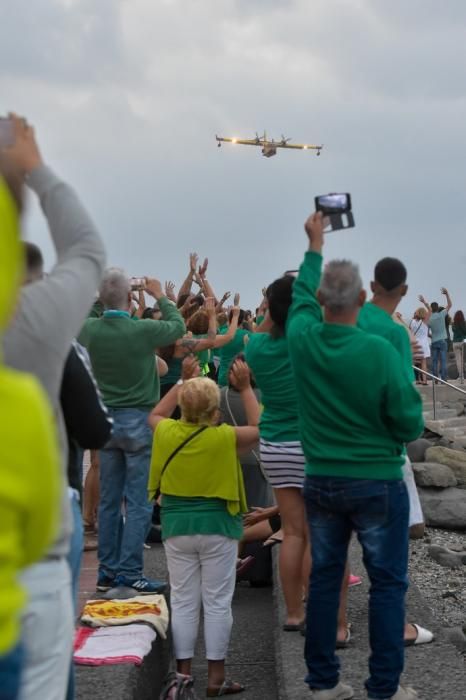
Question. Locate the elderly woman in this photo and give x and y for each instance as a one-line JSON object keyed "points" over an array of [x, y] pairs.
{"points": [[195, 467]]}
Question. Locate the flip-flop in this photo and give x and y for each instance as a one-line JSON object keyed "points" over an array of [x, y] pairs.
{"points": [[227, 688], [345, 643], [423, 636]]}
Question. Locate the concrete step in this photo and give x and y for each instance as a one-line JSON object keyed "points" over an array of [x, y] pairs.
{"points": [[441, 414]]}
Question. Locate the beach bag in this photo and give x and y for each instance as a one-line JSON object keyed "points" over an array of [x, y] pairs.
{"points": [[178, 687]]}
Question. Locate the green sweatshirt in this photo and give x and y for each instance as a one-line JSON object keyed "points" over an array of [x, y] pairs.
{"points": [[357, 406], [123, 354], [373, 319]]}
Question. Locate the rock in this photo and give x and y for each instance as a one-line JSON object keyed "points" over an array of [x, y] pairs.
{"points": [[417, 449], [431, 474], [444, 507], [451, 458], [457, 637], [443, 442], [446, 557]]}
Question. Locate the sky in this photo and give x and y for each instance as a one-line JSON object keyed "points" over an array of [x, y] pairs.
{"points": [[127, 95]]}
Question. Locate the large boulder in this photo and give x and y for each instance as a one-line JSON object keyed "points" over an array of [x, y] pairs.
{"points": [[434, 475], [417, 449], [444, 507], [451, 458]]}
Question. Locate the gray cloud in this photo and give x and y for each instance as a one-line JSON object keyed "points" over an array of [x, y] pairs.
{"points": [[127, 98]]}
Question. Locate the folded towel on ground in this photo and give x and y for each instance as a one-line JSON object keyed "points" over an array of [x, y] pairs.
{"points": [[151, 609], [113, 645]]}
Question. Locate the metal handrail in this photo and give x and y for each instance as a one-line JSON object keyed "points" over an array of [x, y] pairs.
{"points": [[434, 383]]}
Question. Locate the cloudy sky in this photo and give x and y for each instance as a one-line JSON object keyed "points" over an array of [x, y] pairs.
{"points": [[127, 96]]}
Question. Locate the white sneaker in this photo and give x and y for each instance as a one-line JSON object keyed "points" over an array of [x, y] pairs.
{"points": [[404, 694], [339, 692]]}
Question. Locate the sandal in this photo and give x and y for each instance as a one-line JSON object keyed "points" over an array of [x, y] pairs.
{"points": [[290, 627], [227, 688], [423, 636], [345, 643]]}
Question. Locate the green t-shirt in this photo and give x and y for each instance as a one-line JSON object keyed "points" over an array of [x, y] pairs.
{"points": [[228, 353], [459, 332], [270, 364], [122, 353], [198, 516], [356, 404], [174, 371]]}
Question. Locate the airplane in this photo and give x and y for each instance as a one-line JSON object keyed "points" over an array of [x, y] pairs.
{"points": [[269, 148]]}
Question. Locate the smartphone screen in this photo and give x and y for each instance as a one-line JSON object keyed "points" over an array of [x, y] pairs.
{"points": [[333, 203]]}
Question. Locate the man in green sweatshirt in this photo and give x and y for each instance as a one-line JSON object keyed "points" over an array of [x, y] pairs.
{"points": [[357, 408], [122, 352]]}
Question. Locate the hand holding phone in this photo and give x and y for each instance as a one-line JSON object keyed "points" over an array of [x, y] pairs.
{"points": [[336, 209]]}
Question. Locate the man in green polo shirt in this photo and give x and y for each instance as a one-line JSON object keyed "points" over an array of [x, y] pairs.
{"points": [[122, 352], [357, 407]]}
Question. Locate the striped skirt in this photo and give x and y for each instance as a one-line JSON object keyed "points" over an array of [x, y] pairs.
{"points": [[283, 463]]}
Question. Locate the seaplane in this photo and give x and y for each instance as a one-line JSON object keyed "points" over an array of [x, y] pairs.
{"points": [[269, 147]]}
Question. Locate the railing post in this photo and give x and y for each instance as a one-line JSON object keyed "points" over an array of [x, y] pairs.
{"points": [[434, 400]]}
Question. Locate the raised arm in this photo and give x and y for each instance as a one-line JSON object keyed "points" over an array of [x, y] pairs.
{"points": [[54, 308], [305, 310], [427, 306], [240, 378], [188, 283], [449, 304], [166, 405], [171, 326]]}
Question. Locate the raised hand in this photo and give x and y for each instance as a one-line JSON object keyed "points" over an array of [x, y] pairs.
{"points": [[209, 305], [193, 260], [240, 375], [190, 367], [23, 154], [314, 228], [153, 288], [203, 267], [444, 291], [170, 290]]}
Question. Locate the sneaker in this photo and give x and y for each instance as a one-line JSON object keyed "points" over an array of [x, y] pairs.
{"points": [[143, 585], [404, 694], [354, 580], [105, 583], [339, 692]]}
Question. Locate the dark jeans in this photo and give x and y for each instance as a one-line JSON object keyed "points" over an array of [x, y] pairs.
{"points": [[378, 512], [439, 356], [10, 673], [124, 473]]}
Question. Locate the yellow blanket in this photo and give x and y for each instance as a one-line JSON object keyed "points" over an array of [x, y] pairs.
{"points": [[151, 609]]}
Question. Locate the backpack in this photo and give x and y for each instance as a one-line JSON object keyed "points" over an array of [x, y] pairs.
{"points": [[178, 687]]}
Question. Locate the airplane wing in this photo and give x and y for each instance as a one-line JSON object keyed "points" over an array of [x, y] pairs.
{"points": [[242, 142], [300, 146]]}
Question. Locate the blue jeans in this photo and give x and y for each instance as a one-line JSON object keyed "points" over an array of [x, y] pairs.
{"points": [[439, 355], [10, 673], [124, 473], [74, 561], [378, 512]]}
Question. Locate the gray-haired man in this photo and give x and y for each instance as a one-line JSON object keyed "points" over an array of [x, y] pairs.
{"points": [[122, 352], [357, 408]]}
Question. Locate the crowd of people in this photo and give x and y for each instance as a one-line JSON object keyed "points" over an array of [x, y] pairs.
{"points": [[179, 403]]}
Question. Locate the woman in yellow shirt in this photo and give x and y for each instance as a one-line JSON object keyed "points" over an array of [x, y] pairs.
{"points": [[29, 495], [195, 466]]}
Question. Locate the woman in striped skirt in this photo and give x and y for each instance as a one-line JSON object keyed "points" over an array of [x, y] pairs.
{"points": [[280, 447]]}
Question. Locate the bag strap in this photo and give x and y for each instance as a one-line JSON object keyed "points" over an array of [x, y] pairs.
{"points": [[183, 444]]}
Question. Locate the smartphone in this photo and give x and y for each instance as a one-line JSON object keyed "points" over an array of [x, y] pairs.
{"points": [[138, 284], [7, 134], [334, 203]]}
